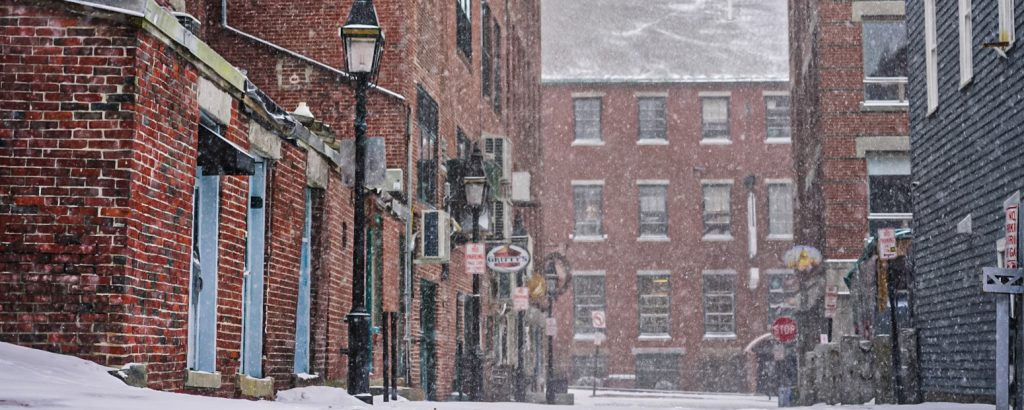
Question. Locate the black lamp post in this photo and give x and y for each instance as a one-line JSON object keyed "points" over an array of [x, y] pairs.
{"points": [[476, 182], [364, 43], [556, 270]]}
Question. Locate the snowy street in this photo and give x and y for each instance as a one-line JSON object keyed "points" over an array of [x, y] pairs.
{"points": [[38, 380]]}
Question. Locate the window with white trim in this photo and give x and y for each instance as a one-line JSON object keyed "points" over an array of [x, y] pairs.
{"points": [[776, 117], [651, 113], [780, 209], [715, 118], [719, 303], [931, 56], [464, 27], [885, 61], [890, 203], [1007, 24], [966, 43], [654, 292], [587, 207], [653, 212], [783, 294], [587, 296], [587, 119], [717, 209]]}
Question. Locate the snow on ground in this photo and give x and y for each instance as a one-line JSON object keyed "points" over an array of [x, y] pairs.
{"points": [[39, 380]]}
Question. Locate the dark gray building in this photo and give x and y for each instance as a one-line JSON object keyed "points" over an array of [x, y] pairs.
{"points": [[966, 160]]}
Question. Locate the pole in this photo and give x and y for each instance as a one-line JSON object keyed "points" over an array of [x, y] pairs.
{"points": [[1002, 352], [394, 356], [387, 353], [475, 373], [520, 393], [549, 393], [358, 319], [894, 331], [597, 349]]}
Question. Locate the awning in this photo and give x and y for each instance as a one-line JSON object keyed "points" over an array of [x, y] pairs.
{"points": [[219, 156]]}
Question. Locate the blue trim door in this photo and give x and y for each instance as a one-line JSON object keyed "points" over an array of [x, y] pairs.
{"points": [[202, 332], [252, 291], [302, 311]]}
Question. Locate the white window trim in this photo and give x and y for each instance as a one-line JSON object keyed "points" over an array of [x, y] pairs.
{"points": [[716, 238], [653, 273], [587, 182], [779, 237], [654, 336], [651, 94], [775, 93], [931, 55], [1007, 24], [774, 141], [718, 272], [651, 182], [966, 20], [653, 238], [715, 141], [884, 216], [719, 336], [588, 238], [651, 141], [714, 94], [587, 143], [588, 273], [769, 181], [717, 182]]}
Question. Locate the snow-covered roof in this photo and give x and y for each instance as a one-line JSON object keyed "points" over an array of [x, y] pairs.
{"points": [[664, 40]]}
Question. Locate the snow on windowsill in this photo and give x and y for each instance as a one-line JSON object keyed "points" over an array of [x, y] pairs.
{"points": [[884, 106], [717, 238], [587, 143], [652, 141], [719, 336], [780, 237], [589, 238], [306, 376], [655, 337], [774, 141], [587, 337], [653, 239], [716, 141]]}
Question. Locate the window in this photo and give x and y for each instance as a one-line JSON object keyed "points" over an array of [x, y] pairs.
{"points": [[485, 47], [587, 296], [719, 300], [776, 118], [653, 213], [783, 294], [463, 148], [931, 56], [966, 43], [715, 118], [654, 291], [426, 119], [587, 206], [885, 61], [717, 212], [1007, 25], [780, 210], [497, 67], [587, 119], [890, 204], [464, 27], [658, 371], [651, 118], [586, 367]]}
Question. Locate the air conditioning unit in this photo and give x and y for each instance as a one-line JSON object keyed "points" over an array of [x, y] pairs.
{"points": [[520, 187], [393, 179], [501, 220], [435, 231], [499, 149]]}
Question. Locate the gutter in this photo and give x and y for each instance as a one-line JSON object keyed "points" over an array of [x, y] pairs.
{"points": [[308, 60]]}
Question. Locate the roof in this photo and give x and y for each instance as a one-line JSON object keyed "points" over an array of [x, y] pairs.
{"points": [[664, 41]]}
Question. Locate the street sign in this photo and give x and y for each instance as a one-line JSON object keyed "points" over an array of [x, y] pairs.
{"points": [[784, 329], [508, 258], [831, 301], [1010, 226], [887, 243], [551, 327], [778, 352], [599, 338], [521, 299], [597, 319], [476, 261]]}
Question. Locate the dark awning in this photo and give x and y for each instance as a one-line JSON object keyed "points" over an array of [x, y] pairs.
{"points": [[219, 156]]}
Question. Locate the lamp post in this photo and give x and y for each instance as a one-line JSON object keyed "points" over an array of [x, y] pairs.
{"points": [[364, 43], [556, 269], [476, 182]]}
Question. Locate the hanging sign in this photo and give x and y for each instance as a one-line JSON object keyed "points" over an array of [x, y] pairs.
{"points": [[887, 243], [508, 259], [521, 299], [1010, 225], [476, 261]]}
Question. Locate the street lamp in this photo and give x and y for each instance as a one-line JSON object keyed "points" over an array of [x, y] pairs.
{"points": [[475, 181], [556, 270], [364, 43]]}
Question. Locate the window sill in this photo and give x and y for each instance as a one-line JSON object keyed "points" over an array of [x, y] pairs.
{"points": [[719, 336], [202, 380], [883, 106], [655, 337], [716, 141], [653, 239], [778, 237], [652, 141], [585, 337], [587, 143], [778, 141], [717, 238], [600, 238]]}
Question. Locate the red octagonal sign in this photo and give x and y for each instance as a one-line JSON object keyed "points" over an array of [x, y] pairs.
{"points": [[784, 329]]}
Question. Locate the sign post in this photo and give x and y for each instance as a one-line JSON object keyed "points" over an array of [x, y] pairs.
{"points": [[475, 259], [597, 320], [521, 299], [831, 304], [1003, 282]]}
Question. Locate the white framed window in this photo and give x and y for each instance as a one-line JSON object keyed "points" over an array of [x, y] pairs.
{"points": [[783, 293], [776, 118], [719, 291], [890, 203], [780, 210], [717, 210], [966, 43], [931, 56], [587, 207], [651, 118], [1007, 25], [654, 290], [885, 61], [587, 119], [715, 118], [653, 210], [587, 296]]}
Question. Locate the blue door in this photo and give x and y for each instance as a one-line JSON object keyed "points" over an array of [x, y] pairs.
{"points": [[302, 311], [252, 291], [202, 318]]}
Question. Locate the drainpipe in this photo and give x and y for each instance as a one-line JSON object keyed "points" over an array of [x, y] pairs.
{"points": [[410, 248], [323, 66]]}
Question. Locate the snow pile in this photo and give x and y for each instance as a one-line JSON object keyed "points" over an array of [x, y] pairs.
{"points": [[320, 395]]}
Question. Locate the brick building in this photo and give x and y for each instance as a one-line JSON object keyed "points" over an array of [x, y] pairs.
{"points": [[850, 144], [106, 180], [668, 186]]}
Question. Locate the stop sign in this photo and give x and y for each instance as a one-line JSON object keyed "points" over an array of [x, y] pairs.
{"points": [[784, 329]]}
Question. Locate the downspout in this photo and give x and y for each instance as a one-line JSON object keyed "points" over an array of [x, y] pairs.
{"points": [[410, 248], [323, 66]]}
